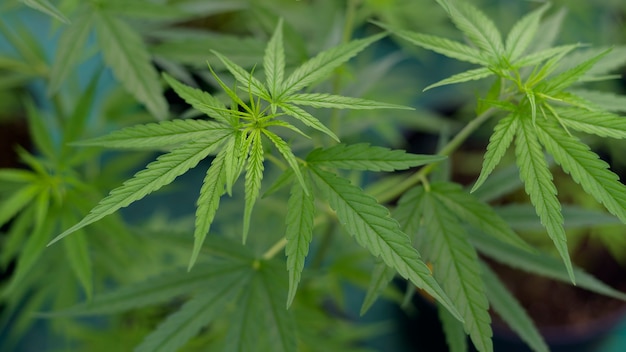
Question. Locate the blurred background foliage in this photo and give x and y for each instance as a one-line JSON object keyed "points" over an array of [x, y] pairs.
{"points": [[57, 85]]}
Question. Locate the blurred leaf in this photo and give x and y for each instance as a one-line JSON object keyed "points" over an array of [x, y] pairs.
{"points": [[453, 330], [46, 7], [540, 264], [124, 51], [511, 311], [156, 289], [175, 331], [70, 49]]}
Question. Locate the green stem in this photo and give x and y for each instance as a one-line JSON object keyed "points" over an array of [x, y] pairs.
{"points": [[448, 149], [275, 249]]}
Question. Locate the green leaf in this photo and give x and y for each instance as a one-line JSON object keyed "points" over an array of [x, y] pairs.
{"points": [[601, 123], [254, 175], [208, 202], [362, 156], [46, 7], [69, 50], [200, 100], [324, 64], [35, 245], [523, 32], [157, 289], [502, 182], [180, 327], [124, 51], [17, 176], [370, 224], [320, 100], [607, 100], [39, 130], [455, 265], [539, 263], [283, 180], [162, 134], [77, 255], [234, 160], [263, 301], [299, 232], [537, 180], [255, 86], [522, 217], [471, 75], [156, 175], [567, 78], [274, 61], [12, 204], [476, 213], [449, 48], [307, 119], [585, 167], [550, 28], [538, 57], [382, 275], [453, 330], [478, 27], [286, 152], [145, 10], [499, 142], [75, 126], [509, 309], [409, 210]]}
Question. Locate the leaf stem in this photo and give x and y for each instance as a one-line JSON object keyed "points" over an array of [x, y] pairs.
{"points": [[448, 149], [275, 249]]}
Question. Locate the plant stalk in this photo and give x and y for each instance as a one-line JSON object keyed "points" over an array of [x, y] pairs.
{"points": [[448, 149]]}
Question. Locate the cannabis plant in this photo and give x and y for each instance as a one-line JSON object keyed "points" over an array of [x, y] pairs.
{"points": [[270, 132]]}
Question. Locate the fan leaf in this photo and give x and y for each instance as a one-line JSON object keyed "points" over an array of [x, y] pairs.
{"points": [[161, 135], [585, 167], [125, 52], [471, 75], [362, 156], [499, 142], [455, 264], [320, 100], [208, 202], [370, 224], [156, 175], [511, 311], [175, 331], [324, 63], [299, 232], [537, 180]]}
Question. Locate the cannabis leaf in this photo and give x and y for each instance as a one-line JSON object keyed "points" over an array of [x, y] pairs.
{"points": [[46, 7], [299, 232], [538, 184], [372, 227], [511, 311], [238, 131], [156, 175], [365, 157], [126, 54], [455, 264]]}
